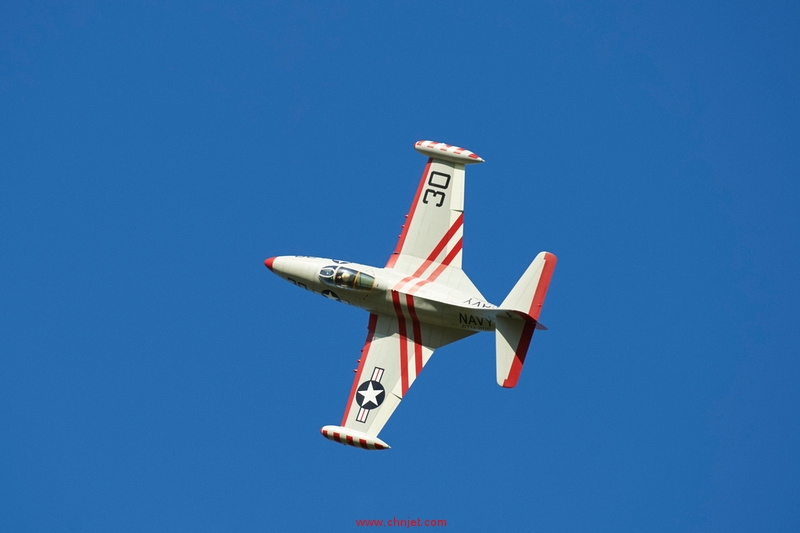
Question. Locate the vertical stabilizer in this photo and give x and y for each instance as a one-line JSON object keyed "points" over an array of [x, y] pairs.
{"points": [[515, 330]]}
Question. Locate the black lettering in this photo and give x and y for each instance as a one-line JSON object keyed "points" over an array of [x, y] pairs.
{"points": [[434, 194], [438, 181]]}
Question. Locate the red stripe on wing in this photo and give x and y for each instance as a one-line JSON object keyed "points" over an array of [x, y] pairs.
{"points": [[401, 327], [417, 334], [439, 269], [410, 217], [439, 247], [373, 321]]}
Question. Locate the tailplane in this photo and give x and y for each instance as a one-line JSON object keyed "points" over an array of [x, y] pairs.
{"points": [[523, 305]]}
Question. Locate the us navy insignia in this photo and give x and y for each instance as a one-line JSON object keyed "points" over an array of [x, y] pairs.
{"points": [[331, 295], [370, 394]]}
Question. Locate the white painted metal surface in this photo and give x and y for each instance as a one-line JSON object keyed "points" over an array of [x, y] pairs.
{"points": [[420, 300]]}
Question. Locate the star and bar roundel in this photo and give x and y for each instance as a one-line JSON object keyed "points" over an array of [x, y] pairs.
{"points": [[370, 394]]}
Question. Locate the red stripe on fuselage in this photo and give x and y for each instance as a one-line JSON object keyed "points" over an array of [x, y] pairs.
{"points": [[373, 321]]}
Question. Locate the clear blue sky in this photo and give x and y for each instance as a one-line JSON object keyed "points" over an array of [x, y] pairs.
{"points": [[154, 376]]}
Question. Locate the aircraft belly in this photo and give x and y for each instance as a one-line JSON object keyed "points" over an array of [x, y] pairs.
{"points": [[426, 311], [453, 317]]}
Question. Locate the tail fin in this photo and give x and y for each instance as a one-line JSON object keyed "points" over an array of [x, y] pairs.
{"points": [[514, 331]]}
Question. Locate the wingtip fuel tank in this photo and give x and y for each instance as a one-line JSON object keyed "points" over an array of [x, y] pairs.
{"points": [[354, 438], [447, 152]]}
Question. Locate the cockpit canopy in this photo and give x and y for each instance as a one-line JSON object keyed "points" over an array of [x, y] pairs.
{"points": [[346, 278]]}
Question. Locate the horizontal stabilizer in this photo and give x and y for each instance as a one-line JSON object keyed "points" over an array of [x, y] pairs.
{"points": [[353, 438]]}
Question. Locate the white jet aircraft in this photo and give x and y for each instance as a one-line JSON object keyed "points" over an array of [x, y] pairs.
{"points": [[420, 300]]}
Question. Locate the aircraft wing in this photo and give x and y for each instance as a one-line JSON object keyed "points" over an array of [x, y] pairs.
{"points": [[396, 350], [434, 228]]}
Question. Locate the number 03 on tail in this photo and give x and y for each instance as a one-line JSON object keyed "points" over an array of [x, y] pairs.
{"points": [[420, 300]]}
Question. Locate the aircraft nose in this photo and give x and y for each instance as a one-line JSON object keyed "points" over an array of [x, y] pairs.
{"points": [[268, 263]]}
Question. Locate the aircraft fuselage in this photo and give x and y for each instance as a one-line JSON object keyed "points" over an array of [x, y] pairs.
{"points": [[381, 291]]}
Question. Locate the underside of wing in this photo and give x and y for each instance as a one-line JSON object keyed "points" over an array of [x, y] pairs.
{"points": [[434, 228], [396, 350]]}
